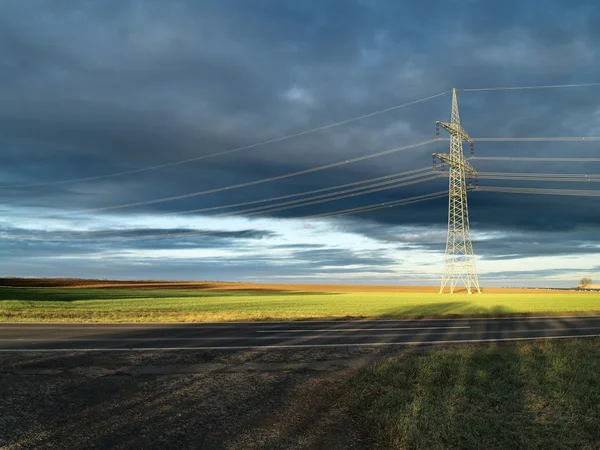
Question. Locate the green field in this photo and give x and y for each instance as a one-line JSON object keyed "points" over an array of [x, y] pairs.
{"points": [[185, 305], [542, 395]]}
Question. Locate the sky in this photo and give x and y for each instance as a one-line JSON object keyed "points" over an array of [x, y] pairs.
{"points": [[99, 90]]}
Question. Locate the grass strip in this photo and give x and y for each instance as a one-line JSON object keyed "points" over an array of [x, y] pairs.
{"points": [[542, 395]]}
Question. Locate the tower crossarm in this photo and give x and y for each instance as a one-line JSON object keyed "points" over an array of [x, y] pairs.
{"points": [[456, 129], [456, 162]]}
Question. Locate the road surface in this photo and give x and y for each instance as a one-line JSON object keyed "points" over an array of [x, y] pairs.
{"points": [[299, 334]]}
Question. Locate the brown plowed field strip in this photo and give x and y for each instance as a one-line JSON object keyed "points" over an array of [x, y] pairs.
{"points": [[233, 286]]}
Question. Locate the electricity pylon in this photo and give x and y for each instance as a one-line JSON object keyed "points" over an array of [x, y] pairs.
{"points": [[459, 261]]}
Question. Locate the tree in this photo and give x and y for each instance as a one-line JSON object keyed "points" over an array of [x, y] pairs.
{"points": [[585, 281]]}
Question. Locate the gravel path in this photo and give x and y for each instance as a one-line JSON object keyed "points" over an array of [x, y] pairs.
{"points": [[198, 400]]}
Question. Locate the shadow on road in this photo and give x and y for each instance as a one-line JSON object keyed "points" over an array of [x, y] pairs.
{"points": [[92, 400]]}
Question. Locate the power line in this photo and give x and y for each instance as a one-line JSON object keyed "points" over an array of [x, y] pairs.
{"points": [[553, 179], [334, 197], [339, 195], [537, 139], [518, 158], [382, 205], [300, 194], [536, 174], [240, 185], [528, 176], [390, 179], [367, 208], [371, 207], [511, 190], [233, 150], [514, 88]]}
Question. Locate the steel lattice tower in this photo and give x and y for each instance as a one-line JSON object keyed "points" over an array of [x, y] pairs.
{"points": [[459, 260]]}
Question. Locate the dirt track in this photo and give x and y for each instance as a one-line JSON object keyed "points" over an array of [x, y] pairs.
{"points": [[221, 285], [206, 400]]}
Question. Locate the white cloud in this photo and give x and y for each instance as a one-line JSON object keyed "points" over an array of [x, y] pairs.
{"points": [[299, 95]]}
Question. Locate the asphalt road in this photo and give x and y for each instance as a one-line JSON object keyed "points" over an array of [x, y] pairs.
{"points": [[303, 334]]}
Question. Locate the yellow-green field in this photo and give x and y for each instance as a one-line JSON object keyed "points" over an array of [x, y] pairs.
{"points": [[187, 305]]}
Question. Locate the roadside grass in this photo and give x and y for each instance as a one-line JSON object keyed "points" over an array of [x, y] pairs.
{"points": [[543, 395], [193, 305]]}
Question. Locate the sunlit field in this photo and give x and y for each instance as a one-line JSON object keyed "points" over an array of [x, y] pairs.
{"points": [[196, 305]]}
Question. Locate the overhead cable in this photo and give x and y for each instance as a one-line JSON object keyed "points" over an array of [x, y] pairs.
{"points": [[525, 158], [535, 174], [48, 238], [538, 139], [391, 177], [513, 190], [553, 179], [514, 88], [338, 189], [239, 185], [381, 205], [316, 200]]}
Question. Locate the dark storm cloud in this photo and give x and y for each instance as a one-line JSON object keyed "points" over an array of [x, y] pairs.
{"points": [[536, 274], [97, 87], [341, 257], [13, 249], [515, 246], [113, 233], [20, 242]]}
